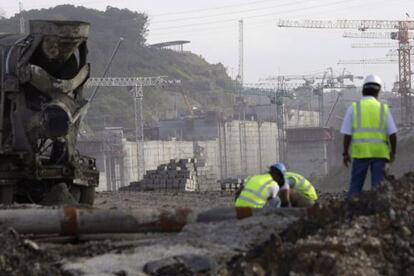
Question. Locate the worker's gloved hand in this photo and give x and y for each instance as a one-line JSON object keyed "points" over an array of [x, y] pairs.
{"points": [[272, 203]]}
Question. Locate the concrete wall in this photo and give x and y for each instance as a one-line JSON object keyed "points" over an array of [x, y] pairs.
{"points": [[242, 148], [156, 153], [241, 155], [308, 158], [247, 147], [210, 153], [301, 118], [198, 128]]}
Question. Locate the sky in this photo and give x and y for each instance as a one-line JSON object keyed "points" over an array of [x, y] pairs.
{"points": [[212, 28]]}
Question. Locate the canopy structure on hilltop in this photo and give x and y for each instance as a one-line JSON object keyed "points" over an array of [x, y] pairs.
{"points": [[176, 45]]}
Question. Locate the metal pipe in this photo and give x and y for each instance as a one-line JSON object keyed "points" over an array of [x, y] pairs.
{"points": [[74, 221]]}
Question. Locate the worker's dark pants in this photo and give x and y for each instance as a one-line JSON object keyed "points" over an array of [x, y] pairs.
{"points": [[299, 200], [359, 171]]}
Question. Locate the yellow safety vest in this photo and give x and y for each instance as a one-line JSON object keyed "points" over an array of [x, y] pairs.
{"points": [[302, 185], [369, 129], [254, 193]]}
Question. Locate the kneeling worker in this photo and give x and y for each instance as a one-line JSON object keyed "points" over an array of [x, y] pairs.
{"points": [[265, 189], [302, 193]]}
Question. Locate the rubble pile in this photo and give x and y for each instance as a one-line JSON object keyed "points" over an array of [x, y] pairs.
{"points": [[371, 234], [178, 175], [19, 256]]}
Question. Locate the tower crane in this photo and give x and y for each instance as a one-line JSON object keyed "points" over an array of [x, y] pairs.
{"points": [[394, 53], [276, 92], [401, 33], [391, 60], [376, 35], [375, 45], [138, 83], [319, 81]]}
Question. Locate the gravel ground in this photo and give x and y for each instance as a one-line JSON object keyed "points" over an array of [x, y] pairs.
{"points": [[137, 200], [25, 255], [372, 233]]}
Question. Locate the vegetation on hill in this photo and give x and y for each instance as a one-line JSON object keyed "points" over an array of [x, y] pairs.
{"points": [[204, 83]]}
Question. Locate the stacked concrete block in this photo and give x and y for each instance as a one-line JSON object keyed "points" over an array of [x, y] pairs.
{"points": [[230, 184], [207, 179], [180, 175]]}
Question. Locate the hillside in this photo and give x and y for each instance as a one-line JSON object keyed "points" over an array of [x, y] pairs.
{"points": [[203, 82]]}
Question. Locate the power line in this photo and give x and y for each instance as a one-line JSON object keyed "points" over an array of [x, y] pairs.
{"points": [[254, 16], [220, 30], [160, 14], [215, 8], [228, 29], [233, 12]]}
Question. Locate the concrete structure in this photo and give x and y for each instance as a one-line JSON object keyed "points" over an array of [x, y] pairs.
{"points": [[230, 149], [310, 151], [117, 157]]}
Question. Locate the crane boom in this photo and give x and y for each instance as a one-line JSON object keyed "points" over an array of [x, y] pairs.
{"points": [[272, 86], [369, 61], [131, 81], [376, 35], [401, 33], [345, 24], [394, 53], [375, 45]]}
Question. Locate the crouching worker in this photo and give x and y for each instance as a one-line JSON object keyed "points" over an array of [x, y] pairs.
{"points": [[265, 190], [302, 193]]}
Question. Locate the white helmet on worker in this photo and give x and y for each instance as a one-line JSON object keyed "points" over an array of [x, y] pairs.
{"points": [[372, 79]]}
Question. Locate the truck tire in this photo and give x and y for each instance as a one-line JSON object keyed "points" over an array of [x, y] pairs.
{"points": [[6, 194], [87, 195]]}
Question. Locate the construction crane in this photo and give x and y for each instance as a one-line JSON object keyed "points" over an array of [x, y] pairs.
{"points": [[402, 34], [21, 19], [187, 104], [241, 103], [391, 60], [138, 83], [375, 45], [276, 91], [376, 35], [319, 81], [394, 53]]}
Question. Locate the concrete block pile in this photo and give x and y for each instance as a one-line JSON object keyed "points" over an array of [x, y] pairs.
{"points": [[230, 184], [177, 175], [207, 179]]}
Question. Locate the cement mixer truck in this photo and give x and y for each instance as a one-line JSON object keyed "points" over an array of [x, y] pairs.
{"points": [[41, 105]]}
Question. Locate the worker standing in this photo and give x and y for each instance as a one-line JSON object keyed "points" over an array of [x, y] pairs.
{"points": [[370, 130], [301, 193], [268, 189]]}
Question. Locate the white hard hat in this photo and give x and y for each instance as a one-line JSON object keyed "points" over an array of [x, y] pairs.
{"points": [[373, 79]]}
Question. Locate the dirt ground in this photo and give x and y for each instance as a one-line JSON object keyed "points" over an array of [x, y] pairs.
{"points": [[372, 233], [155, 199], [26, 255]]}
